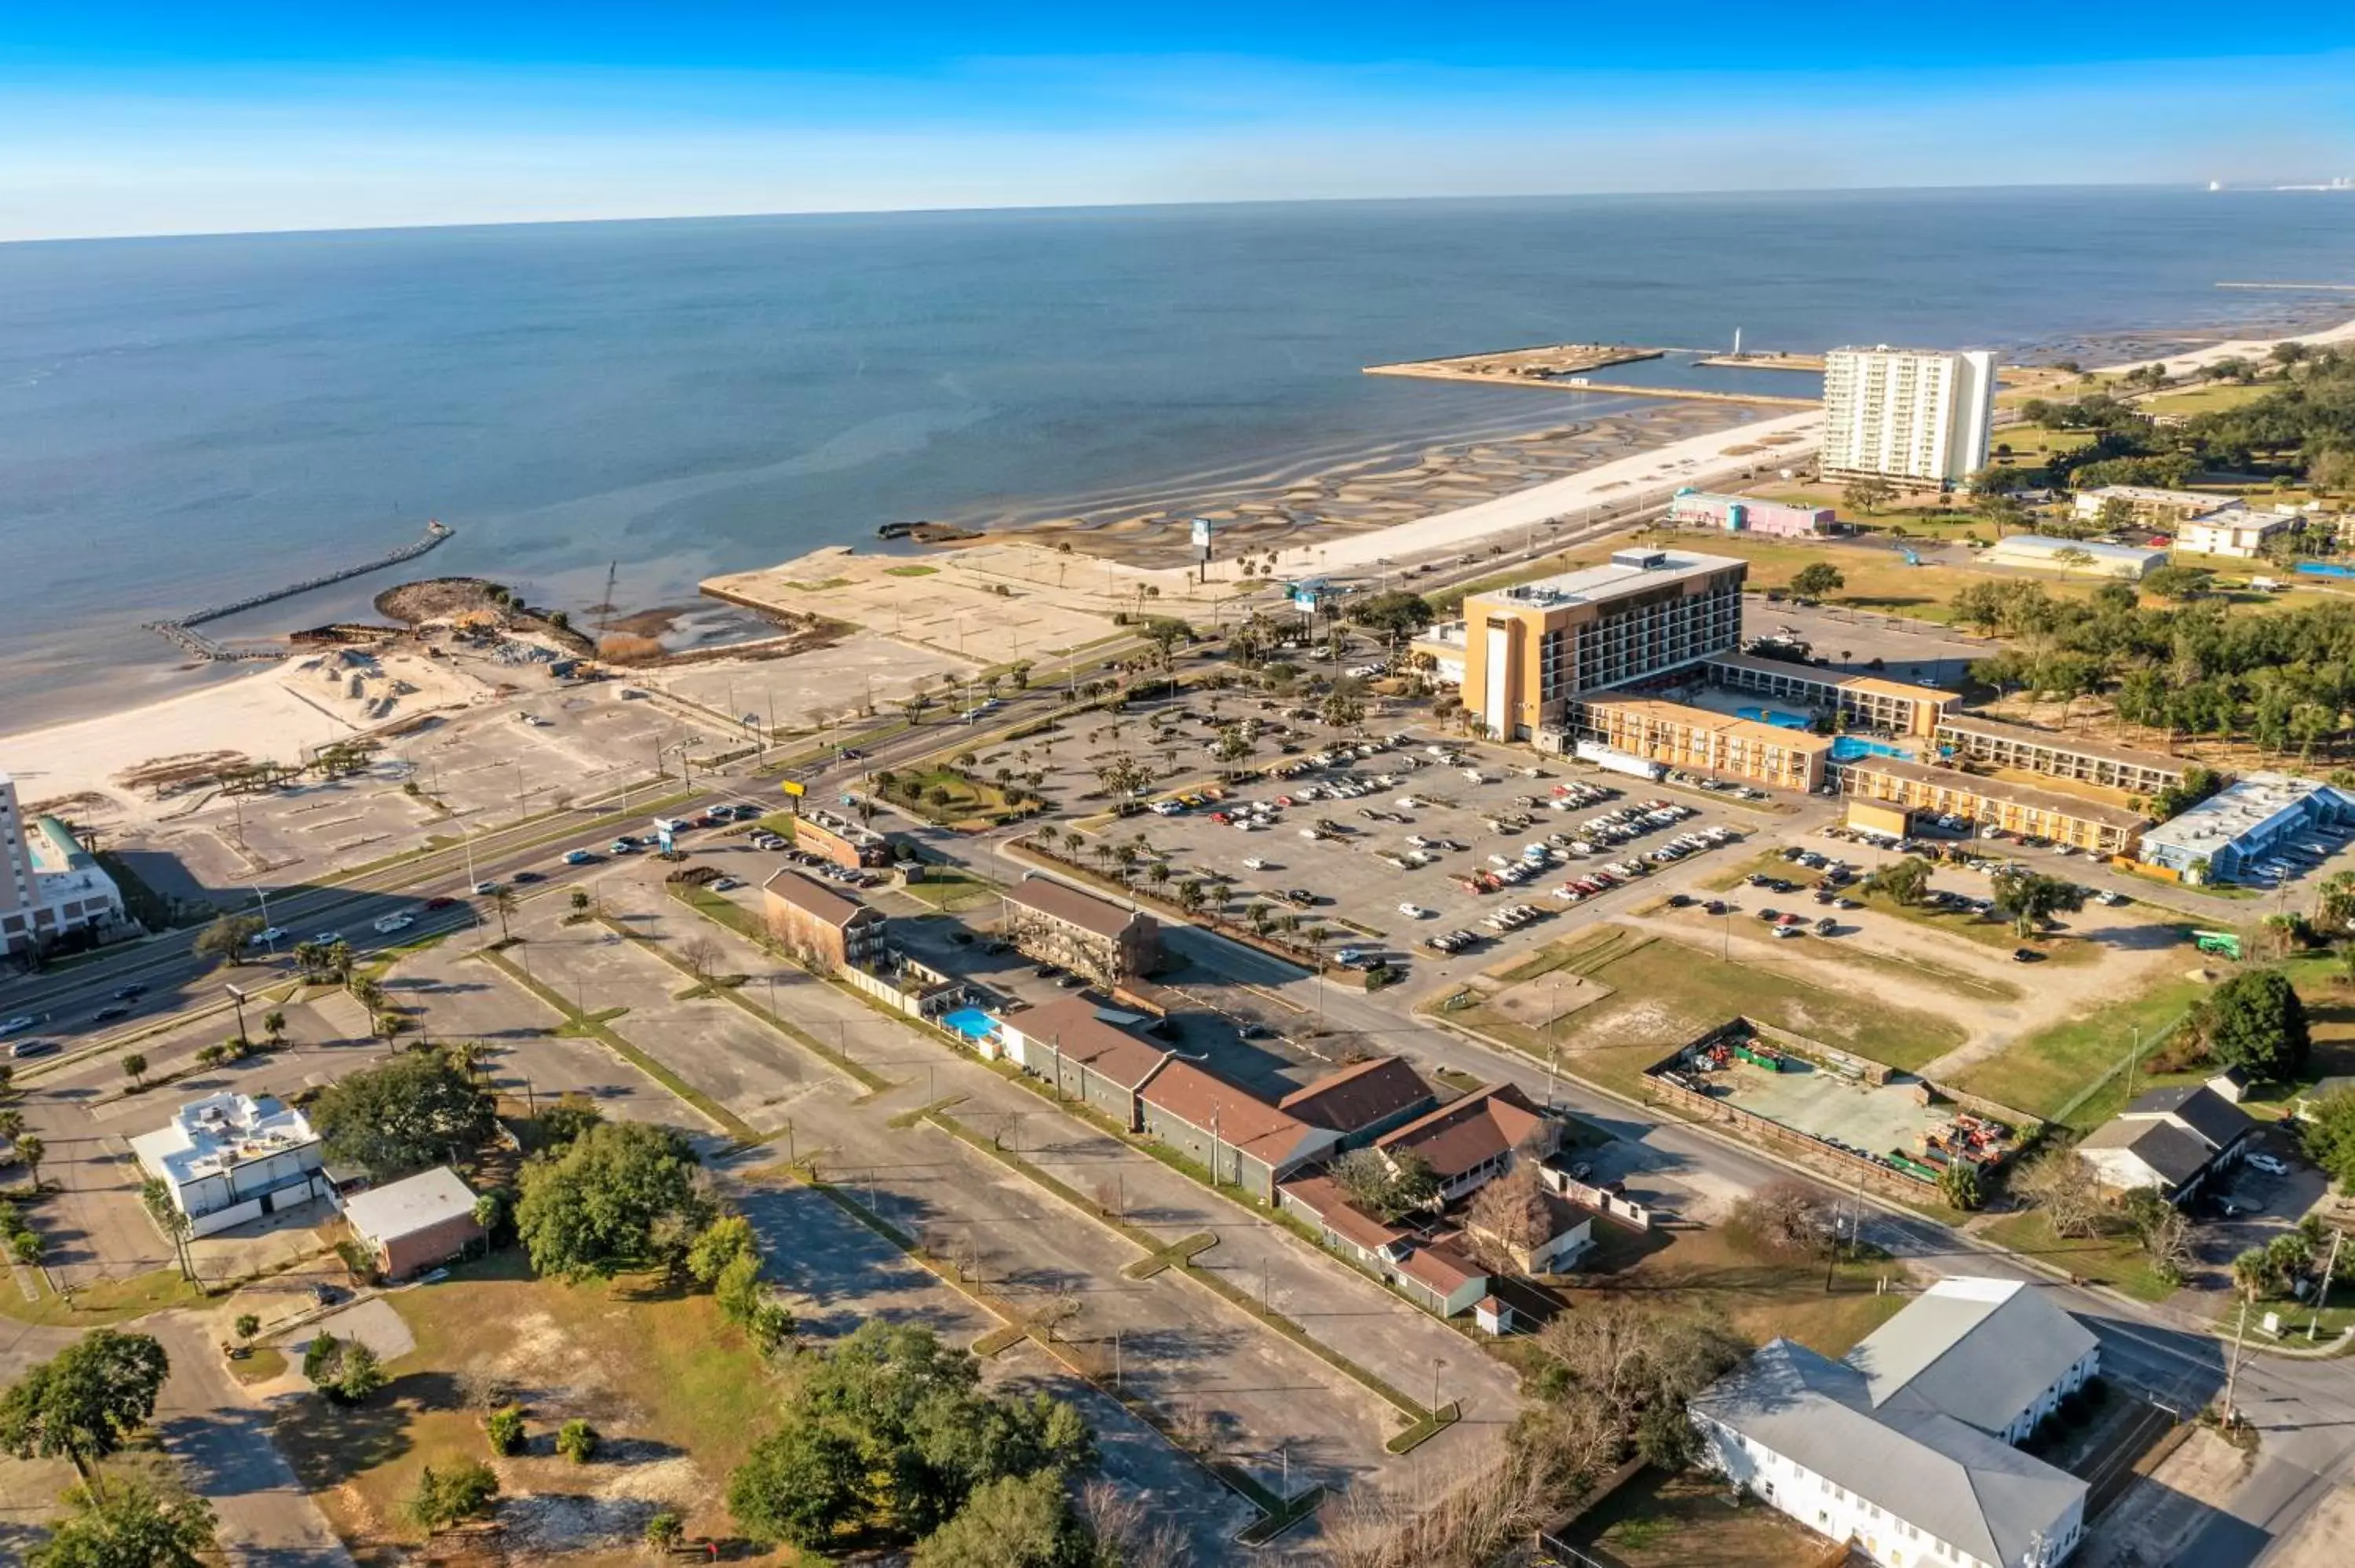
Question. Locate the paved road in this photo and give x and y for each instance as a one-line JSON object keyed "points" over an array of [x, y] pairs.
{"points": [[267, 1520]]}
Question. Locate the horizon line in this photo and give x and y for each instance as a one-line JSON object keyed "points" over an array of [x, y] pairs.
{"points": [[1016, 208]]}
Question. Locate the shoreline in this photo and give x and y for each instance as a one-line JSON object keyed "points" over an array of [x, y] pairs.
{"points": [[253, 712]]}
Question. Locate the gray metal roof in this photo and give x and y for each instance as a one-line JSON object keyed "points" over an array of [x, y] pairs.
{"points": [[2176, 1155], [1980, 1496], [2198, 1108], [1980, 1350]]}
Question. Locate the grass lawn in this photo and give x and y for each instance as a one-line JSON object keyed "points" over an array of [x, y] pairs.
{"points": [[675, 1392], [781, 823], [2043, 1073], [961, 797], [2111, 1259], [2205, 399], [262, 1363], [1762, 1297], [909, 571], [1667, 993], [1663, 1521], [107, 1302], [952, 891]]}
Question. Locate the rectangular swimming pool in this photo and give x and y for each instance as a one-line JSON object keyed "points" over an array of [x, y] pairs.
{"points": [[971, 1022]]}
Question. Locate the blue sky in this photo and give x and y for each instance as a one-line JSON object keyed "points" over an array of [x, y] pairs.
{"points": [[157, 119]]}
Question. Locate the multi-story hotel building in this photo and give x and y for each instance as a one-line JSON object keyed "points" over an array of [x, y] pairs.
{"points": [[1921, 415], [1529, 649]]}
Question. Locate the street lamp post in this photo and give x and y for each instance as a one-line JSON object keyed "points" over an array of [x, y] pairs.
{"points": [[238, 998]]}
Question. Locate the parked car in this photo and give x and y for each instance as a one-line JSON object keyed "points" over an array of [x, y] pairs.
{"points": [[2268, 1164]]}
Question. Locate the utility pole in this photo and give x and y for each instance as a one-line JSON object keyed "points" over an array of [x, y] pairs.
{"points": [[605, 622], [2233, 1373], [2133, 1054], [2321, 1297]]}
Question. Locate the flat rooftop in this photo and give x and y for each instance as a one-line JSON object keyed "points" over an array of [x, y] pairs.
{"points": [[207, 1137], [1627, 572], [2236, 810]]}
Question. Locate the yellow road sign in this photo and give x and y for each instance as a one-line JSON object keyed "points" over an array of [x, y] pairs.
{"points": [[791, 788]]}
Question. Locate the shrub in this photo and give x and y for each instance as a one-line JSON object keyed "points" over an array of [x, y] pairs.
{"points": [[576, 1441], [446, 1497], [506, 1429]]}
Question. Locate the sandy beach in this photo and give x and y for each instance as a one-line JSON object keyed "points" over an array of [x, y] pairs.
{"points": [[2239, 348]]}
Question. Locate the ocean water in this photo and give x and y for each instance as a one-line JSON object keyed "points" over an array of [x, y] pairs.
{"points": [[184, 421]]}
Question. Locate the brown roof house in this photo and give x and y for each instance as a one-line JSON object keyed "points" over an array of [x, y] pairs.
{"points": [[1074, 1046], [415, 1223], [1471, 1141], [831, 929], [1230, 1132], [1059, 923], [1364, 1101], [1436, 1272]]}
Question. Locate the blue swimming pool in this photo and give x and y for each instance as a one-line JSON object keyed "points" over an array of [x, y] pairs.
{"points": [[971, 1022], [1775, 716], [1850, 747]]}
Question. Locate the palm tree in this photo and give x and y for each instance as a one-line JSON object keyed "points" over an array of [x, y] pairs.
{"points": [[366, 992], [12, 1124], [273, 1027], [309, 958], [135, 1068], [29, 1149], [504, 902]]}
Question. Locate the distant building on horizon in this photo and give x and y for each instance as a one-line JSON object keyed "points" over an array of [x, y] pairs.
{"points": [[1916, 414]]}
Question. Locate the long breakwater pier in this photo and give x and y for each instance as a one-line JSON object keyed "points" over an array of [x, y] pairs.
{"points": [[181, 631]]}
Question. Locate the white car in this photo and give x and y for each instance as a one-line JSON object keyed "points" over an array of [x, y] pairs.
{"points": [[2268, 1164], [270, 935], [17, 1025], [1416, 912], [326, 939], [1255, 863], [386, 925]]}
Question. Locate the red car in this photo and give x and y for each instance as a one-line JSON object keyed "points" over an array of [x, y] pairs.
{"points": [[439, 903]]}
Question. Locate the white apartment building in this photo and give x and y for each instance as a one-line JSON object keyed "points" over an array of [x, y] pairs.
{"points": [[1917, 415], [49, 884], [1904, 1448], [2237, 531], [228, 1158]]}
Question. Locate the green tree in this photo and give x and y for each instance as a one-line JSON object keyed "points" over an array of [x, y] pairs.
{"points": [[131, 1527], [31, 1150], [2254, 1021], [2028, 898], [1868, 495], [1904, 881], [247, 1326], [273, 1027], [82, 1403], [2328, 1135], [452, 1494], [664, 1531], [135, 1068], [578, 898], [1396, 613], [596, 1209], [1816, 579], [799, 1484], [503, 904], [420, 1109], [1014, 1522], [1958, 1183], [227, 937]]}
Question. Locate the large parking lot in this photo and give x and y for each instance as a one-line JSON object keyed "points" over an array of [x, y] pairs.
{"points": [[1402, 844]]}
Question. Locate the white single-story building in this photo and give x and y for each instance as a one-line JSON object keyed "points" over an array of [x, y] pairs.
{"points": [[2078, 557], [229, 1157], [2174, 1139], [1904, 1448], [416, 1222]]}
